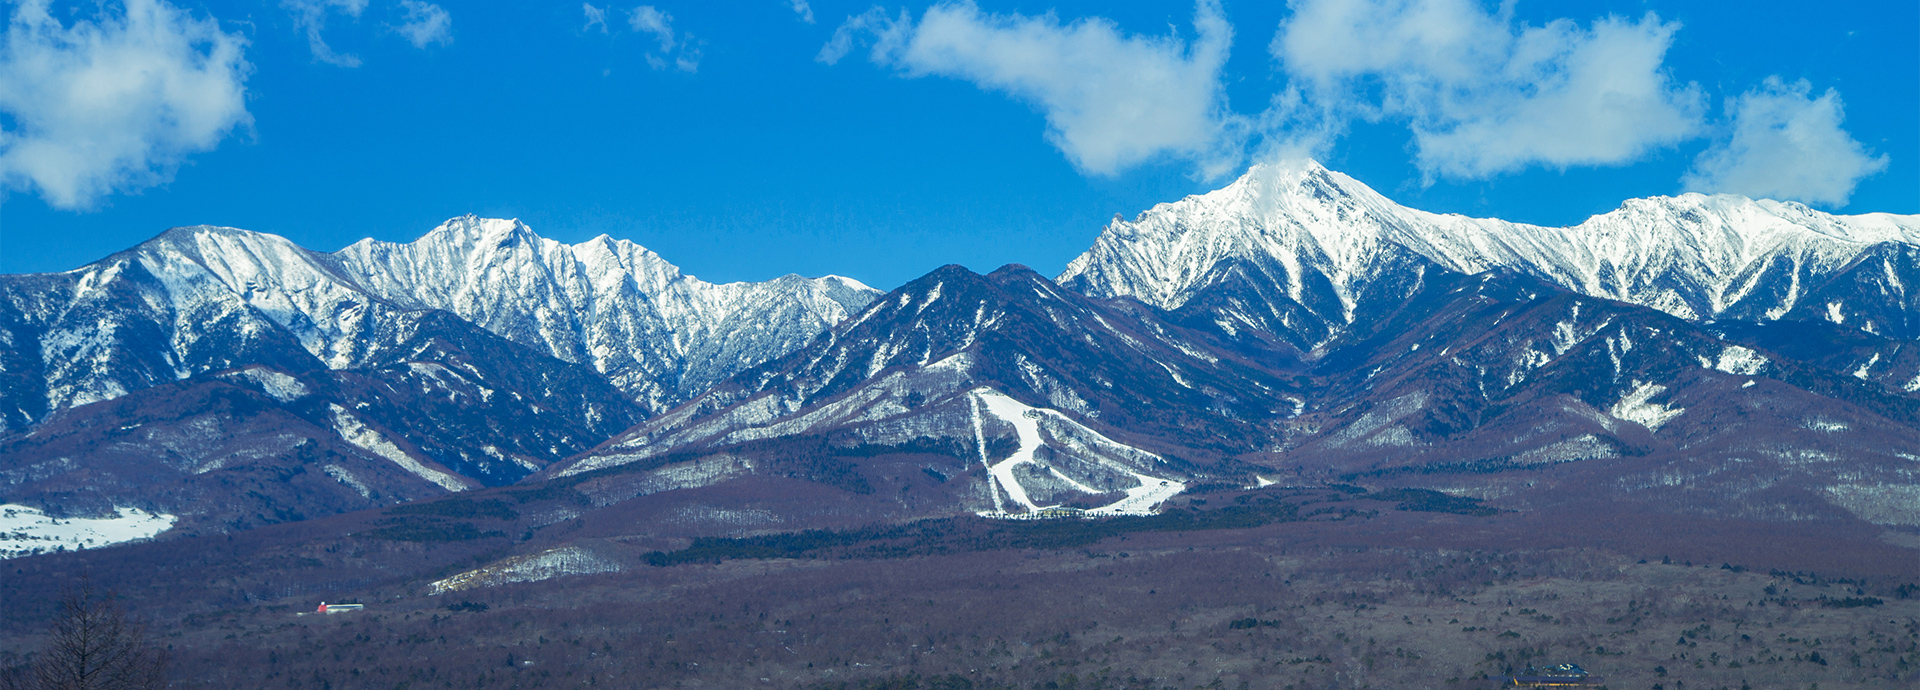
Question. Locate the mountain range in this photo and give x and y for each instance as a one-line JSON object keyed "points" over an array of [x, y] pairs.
{"points": [[1708, 355]]}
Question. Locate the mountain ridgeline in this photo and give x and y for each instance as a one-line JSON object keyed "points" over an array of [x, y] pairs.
{"points": [[1707, 355]]}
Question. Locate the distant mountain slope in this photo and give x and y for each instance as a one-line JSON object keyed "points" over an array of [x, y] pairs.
{"points": [[445, 407], [203, 298], [959, 360], [657, 333], [1702, 355], [163, 375], [1492, 384], [1321, 237]]}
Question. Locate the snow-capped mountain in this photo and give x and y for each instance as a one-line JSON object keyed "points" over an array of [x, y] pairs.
{"points": [[234, 379], [204, 298], [1326, 239], [1079, 393], [1294, 323], [657, 333], [444, 406]]}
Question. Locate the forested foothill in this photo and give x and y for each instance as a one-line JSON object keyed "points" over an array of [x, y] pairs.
{"points": [[1331, 585]]}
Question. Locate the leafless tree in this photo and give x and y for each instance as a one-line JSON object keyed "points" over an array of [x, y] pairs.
{"points": [[93, 646]]}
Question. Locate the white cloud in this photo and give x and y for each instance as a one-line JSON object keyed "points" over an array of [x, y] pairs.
{"points": [[1111, 100], [1484, 94], [310, 16], [649, 20], [426, 24], [884, 32], [596, 16], [115, 103], [800, 7], [1785, 144]]}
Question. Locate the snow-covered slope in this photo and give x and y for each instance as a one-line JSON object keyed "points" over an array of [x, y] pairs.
{"points": [[1694, 256], [204, 298], [656, 333]]}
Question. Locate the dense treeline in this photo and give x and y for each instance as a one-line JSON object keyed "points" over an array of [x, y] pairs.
{"points": [[1157, 610], [964, 534], [459, 507], [1428, 501], [416, 530]]}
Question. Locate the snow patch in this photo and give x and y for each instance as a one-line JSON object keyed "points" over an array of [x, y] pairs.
{"points": [[1374, 420], [357, 433], [279, 386], [1740, 361], [1583, 447], [1826, 425], [340, 474], [1866, 368], [1636, 408], [552, 563], [26, 531]]}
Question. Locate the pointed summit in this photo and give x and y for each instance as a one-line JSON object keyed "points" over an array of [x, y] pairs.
{"points": [[658, 333], [1306, 230]]}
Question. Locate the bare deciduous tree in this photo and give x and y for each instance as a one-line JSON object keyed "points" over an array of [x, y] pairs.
{"points": [[93, 646]]}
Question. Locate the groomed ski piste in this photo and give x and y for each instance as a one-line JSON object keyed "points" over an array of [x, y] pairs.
{"points": [[26, 531], [1141, 499]]}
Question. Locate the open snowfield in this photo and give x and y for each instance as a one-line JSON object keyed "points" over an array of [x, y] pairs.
{"points": [[1141, 499], [26, 531]]}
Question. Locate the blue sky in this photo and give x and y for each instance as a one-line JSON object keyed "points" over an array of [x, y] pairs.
{"points": [[742, 141]]}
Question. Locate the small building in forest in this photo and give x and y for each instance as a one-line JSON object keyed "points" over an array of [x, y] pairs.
{"points": [[339, 608]]}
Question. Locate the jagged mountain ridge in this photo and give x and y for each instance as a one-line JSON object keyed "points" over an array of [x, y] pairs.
{"points": [[203, 298], [1329, 337], [964, 361], [655, 332], [1493, 384], [234, 379], [445, 406], [1320, 236]]}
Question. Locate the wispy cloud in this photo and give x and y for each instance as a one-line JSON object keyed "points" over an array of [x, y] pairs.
{"points": [[114, 104], [310, 17], [672, 48], [801, 8], [676, 48], [1785, 144], [1482, 93], [648, 19], [425, 24], [1112, 100], [596, 16]]}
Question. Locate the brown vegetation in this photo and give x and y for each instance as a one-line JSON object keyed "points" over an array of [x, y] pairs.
{"points": [[92, 645]]}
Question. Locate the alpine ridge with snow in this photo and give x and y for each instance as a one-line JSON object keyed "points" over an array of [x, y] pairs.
{"points": [[655, 332], [1688, 353], [236, 379], [204, 298], [1326, 240]]}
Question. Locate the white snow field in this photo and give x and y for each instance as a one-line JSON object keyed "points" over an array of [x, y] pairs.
{"points": [[1149, 491], [25, 531]]}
